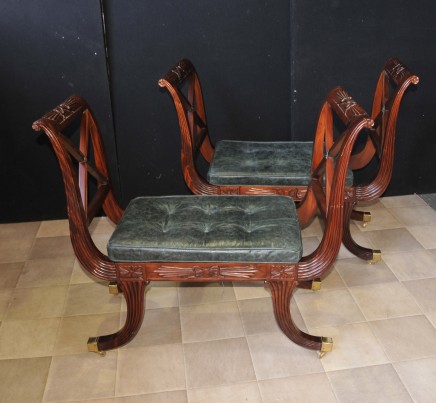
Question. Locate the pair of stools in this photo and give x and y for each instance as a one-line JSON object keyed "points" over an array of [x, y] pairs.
{"points": [[219, 235]]}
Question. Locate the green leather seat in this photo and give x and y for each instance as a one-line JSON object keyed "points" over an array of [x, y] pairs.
{"points": [[250, 163], [208, 228]]}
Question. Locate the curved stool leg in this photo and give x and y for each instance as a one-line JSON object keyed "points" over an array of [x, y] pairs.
{"points": [[372, 256], [134, 294], [281, 292]]}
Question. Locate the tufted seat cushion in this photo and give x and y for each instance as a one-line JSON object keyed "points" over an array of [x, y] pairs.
{"points": [[251, 163], [208, 228]]}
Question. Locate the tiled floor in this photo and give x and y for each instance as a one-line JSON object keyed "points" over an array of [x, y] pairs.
{"points": [[220, 343]]}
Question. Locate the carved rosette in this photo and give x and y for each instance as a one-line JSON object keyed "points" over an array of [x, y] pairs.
{"points": [[229, 190], [283, 272], [131, 272], [212, 272]]}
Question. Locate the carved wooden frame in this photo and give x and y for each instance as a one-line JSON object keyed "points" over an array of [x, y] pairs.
{"points": [[195, 137], [133, 277]]}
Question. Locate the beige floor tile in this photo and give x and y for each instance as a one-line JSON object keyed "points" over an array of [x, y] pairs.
{"points": [[150, 369], [432, 318], [379, 383], [28, 338], [310, 244], [41, 302], [316, 229], [328, 308], [425, 234], [406, 338], [369, 205], [249, 290], [54, 228], [382, 219], [50, 248], [5, 298], [354, 345], [419, 377], [402, 201], [393, 240], [411, 265], [418, 215], [177, 396], [160, 326], [23, 380], [433, 253], [276, 356], [82, 376], [424, 291], [74, 331], [22, 230], [92, 298], [218, 363], [46, 272], [356, 272], [246, 392], [100, 241], [79, 275], [299, 389], [384, 301], [15, 249], [162, 295], [102, 225], [197, 293], [332, 280], [9, 274], [108, 400], [258, 316], [211, 322]]}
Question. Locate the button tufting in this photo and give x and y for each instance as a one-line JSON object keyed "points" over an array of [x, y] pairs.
{"points": [[208, 228]]}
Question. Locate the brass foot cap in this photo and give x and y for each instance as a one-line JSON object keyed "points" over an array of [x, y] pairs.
{"points": [[376, 256], [326, 346], [113, 288], [316, 284], [93, 346], [366, 218]]}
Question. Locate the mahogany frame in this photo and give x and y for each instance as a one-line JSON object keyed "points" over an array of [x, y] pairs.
{"points": [[133, 277], [380, 143]]}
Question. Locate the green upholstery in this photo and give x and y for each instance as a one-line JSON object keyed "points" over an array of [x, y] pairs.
{"points": [[285, 163], [208, 228]]}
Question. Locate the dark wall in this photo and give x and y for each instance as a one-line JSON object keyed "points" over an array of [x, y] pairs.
{"points": [[265, 69], [241, 50], [49, 50], [346, 43]]}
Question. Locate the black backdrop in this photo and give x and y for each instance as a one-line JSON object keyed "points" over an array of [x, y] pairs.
{"points": [[265, 68]]}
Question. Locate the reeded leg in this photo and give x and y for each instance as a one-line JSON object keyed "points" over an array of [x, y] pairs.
{"points": [[281, 292], [372, 256], [134, 294]]}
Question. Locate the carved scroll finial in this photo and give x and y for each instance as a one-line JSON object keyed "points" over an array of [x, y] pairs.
{"points": [[348, 105], [398, 71], [65, 112], [178, 73]]}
